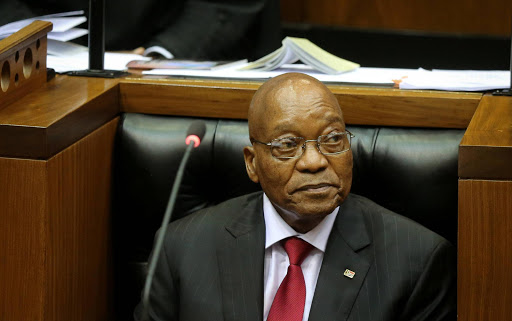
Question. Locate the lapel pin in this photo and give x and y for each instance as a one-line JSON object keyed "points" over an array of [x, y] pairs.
{"points": [[349, 274]]}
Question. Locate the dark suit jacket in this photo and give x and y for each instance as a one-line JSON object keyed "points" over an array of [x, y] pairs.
{"points": [[193, 29], [211, 267]]}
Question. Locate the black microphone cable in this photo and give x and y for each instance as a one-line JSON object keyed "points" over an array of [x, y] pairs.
{"points": [[195, 133]]}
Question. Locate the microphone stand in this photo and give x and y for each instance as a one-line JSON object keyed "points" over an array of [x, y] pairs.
{"points": [[161, 233], [97, 44]]}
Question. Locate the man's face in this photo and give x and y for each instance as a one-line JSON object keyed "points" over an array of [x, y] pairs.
{"points": [[306, 189]]}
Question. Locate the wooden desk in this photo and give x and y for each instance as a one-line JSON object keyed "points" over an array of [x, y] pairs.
{"points": [[56, 148], [485, 213]]}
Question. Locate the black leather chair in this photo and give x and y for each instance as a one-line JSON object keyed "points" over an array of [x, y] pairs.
{"points": [[412, 171]]}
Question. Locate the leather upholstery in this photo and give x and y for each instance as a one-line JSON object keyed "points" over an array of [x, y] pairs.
{"points": [[412, 171]]}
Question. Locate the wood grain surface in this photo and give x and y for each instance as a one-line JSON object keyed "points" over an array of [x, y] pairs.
{"points": [[484, 250], [66, 109], [55, 116], [55, 255], [23, 62], [79, 256], [485, 151], [19, 39], [454, 16], [23, 232], [361, 105]]}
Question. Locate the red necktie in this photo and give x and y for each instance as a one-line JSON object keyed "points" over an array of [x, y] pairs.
{"points": [[288, 304]]}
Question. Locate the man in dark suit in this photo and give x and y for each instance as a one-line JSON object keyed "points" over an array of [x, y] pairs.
{"points": [[189, 29], [360, 261]]}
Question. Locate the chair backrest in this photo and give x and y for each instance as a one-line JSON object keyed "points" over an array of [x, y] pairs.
{"points": [[412, 171]]}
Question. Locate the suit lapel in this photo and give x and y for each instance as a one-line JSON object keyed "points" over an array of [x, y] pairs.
{"points": [[335, 293], [241, 252]]}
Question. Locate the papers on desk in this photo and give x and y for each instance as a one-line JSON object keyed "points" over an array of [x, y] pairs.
{"points": [[68, 35], [451, 80], [294, 49], [64, 49], [62, 55], [79, 60], [373, 76], [64, 25], [457, 80]]}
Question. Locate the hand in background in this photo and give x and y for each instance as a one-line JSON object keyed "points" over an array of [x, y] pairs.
{"points": [[136, 51]]}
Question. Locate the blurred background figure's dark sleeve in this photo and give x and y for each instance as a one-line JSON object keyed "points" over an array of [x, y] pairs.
{"points": [[192, 29], [221, 29], [13, 10]]}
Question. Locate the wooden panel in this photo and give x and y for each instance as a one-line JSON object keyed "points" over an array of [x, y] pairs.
{"points": [[455, 16], [79, 247], [362, 106], [55, 255], [22, 237], [485, 151], [49, 119], [484, 250], [170, 99], [393, 107], [23, 61]]}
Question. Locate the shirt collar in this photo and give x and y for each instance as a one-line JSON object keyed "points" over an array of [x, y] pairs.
{"points": [[276, 229]]}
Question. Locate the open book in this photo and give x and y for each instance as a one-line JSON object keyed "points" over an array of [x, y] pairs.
{"points": [[294, 49]]}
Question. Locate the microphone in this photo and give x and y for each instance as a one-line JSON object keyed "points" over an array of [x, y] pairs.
{"points": [[195, 133]]}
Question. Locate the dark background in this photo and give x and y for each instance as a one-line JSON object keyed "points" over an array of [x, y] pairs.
{"points": [[455, 34]]}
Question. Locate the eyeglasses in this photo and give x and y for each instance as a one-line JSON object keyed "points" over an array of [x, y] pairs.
{"points": [[293, 147]]}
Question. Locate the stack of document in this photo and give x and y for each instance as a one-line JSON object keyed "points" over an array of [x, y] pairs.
{"points": [[64, 25], [64, 56], [295, 49]]}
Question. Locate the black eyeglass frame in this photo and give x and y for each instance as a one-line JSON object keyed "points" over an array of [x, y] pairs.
{"points": [[303, 147]]}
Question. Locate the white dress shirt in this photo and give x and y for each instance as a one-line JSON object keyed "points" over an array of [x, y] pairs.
{"points": [[276, 259]]}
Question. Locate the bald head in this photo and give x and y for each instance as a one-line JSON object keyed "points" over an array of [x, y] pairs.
{"points": [[285, 111], [283, 91]]}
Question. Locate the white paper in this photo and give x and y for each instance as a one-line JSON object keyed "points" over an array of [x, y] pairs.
{"points": [[68, 35], [63, 49], [457, 80], [60, 24], [63, 14], [451, 80], [80, 61], [376, 76]]}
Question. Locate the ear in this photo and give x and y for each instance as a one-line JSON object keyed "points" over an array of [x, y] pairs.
{"points": [[250, 163]]}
